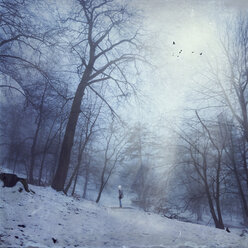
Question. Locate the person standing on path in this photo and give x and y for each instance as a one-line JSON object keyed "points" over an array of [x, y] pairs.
{"points": [[120, 195]]}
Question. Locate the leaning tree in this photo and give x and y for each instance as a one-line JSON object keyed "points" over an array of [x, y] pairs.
{"points": [[104, 39]]}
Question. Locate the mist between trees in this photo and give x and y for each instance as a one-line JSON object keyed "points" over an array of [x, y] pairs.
{"points": [[66, 69]]}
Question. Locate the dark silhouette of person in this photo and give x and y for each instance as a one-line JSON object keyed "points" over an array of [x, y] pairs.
{"points": [[120, 195]]}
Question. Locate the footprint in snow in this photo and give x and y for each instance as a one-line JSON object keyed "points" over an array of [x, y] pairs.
{"points": [[23, 226]]}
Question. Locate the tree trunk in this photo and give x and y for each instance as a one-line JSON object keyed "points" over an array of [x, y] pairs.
{"points": [[41, 170], [56, 156], [46, 147], [33, 148], [42, 165], [65, 154], [238, 180], [102, 182], [75, 182], [74, 173], [242, 102], [199, 213], [15, 162], [86, 180], [245, 165], [217, 223], [99, 194], [212, 211], [217, 198], [76, 169], [32, 159], [241, 192]]}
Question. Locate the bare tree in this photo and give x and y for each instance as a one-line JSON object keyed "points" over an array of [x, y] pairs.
{"points": [[24, 55], [143, 153], [87, 174], [104, 46], [232, 91], [90, 118], [51, 137], [237, 163], [113, 154], [233, 82], [20, 42], [205, 155]]}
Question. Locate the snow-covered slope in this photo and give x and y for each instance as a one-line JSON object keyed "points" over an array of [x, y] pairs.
{"points": [[34, 220]]}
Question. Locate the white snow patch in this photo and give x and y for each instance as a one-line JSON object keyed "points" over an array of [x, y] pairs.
{"points": [[34, 220]]}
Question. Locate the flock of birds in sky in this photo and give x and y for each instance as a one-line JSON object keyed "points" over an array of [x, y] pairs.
{"points": [[174, 43]]}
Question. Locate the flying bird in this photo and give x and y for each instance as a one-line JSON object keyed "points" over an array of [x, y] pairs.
{"points": [[174, 43], [200, 53]]}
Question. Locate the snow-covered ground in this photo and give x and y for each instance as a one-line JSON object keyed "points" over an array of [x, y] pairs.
{"points": [[34, 220]]}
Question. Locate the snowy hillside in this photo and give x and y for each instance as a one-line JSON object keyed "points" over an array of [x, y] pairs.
{"points": [[50, 219]]}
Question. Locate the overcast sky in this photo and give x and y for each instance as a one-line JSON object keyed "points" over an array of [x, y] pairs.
{"points": [[195, 26]]}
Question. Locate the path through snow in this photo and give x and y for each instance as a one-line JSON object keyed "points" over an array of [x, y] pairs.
{"points": [[29, 220]]}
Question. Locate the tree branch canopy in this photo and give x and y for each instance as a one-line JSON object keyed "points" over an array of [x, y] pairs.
{"points": [[107, 44]]}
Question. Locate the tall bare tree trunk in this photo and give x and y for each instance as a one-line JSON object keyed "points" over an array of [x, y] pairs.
{"points": [[46, 147], [218, 224], [65, 153], [15, 161], [217, 197], [237, 175], [86, 179], [241, 191], [75, 183], [53, 169], [74, 173], [99, 194], [33, 147], [79, 160], [102, 182]]}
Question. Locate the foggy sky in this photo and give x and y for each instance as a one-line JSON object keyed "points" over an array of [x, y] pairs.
{"points": [[195, 26]]}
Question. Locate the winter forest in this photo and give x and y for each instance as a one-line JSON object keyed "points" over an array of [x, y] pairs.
{"points": [[149, 95]]}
